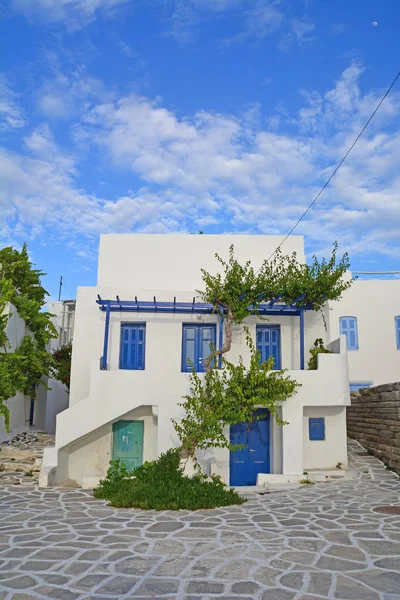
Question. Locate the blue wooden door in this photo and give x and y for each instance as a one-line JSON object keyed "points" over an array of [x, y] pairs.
{"points": [[128, 443], [269, 343], [254, 458]]}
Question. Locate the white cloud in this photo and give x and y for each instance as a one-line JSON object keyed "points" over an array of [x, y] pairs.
{"points": [[298, 31], [74, 13], [261, 20], [11, 115], [66, 95], [233, 173]]}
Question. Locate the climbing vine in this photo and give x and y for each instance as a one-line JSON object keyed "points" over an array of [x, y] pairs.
{"points": [[22, 368], [230, 395], [227, 396]]}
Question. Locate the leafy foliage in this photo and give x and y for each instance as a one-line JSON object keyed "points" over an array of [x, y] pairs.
{"points": [[117, 470], [318, 348], [239, 287], [22, 368], [62, 364], [161, 485], [239, 290]]}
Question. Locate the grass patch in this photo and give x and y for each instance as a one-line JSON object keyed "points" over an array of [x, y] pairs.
{"points": [[161, 485]]}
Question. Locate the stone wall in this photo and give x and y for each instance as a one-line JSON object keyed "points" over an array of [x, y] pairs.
{"points": [[374, 420]]}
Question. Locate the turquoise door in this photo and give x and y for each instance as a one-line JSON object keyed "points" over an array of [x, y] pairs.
{"points": [[128, 443]]}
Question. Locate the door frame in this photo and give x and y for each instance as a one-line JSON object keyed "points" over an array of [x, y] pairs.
{"points": [[268, 422], [113, 433]]}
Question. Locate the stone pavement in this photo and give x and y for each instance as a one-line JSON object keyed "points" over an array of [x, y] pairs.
{"points": [[320, 541]]}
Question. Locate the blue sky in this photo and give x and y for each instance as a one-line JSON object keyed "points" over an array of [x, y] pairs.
{"points": [[213, 115]]}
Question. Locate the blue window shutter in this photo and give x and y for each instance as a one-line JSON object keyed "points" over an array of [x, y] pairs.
{"points": [[132, 350], [269, 343], [196, 340], [397, 321], [348, 327], [316, 429]]}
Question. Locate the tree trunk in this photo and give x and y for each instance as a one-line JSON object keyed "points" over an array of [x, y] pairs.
{"points": [[226, 346]]}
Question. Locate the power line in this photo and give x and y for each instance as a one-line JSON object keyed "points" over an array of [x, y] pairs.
{"points": [[338, 166], [376, 272]]}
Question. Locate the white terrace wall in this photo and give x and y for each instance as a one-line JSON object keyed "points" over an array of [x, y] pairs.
{"points": [[164, 339], [375, 303], [19, 405]]}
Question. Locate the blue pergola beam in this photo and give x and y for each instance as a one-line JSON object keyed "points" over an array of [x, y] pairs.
{"points": [[268, 308], [274, 300], [302, 340], [190, 307], [221, 335], [106, 334], [298, 299]]}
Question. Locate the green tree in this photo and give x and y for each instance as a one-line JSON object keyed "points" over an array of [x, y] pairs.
{"points": [[62, 364], [230, 395], [22, 369]]}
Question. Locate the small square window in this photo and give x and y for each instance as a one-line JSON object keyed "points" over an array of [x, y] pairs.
{"points": [[316, 429]]}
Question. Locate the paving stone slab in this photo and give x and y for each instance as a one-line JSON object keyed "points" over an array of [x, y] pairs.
{"points": [[64, 544]]}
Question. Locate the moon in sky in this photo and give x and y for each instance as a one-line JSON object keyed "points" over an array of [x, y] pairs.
{"points": [[375, 23]]}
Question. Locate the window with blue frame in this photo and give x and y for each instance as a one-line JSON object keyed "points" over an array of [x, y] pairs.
{"points": [[269, 343], [196, 342], [316, 429], [348, 327], [132, 347], [397, 323], [357, 385]]}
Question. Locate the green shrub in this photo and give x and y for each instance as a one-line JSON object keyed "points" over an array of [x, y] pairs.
{"points": [[117, 471], [318, 348], [161, 485]]}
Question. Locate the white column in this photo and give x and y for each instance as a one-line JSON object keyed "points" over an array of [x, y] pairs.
{"points": [[292, 438]]}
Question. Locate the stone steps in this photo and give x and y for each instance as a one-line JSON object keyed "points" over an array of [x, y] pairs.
{"points": [[21, 457]]}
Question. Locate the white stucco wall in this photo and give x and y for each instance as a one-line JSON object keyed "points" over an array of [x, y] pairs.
{"points": [[325, 391], [18, 405], [327, 453], [174, 261], [89, 456], [48, 404], [375, 303], [54, 400]]}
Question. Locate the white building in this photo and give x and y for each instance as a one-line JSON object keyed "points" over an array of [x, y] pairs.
{"points": [[54, 400], [369, 314], [129, 369], [40, 413]]}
